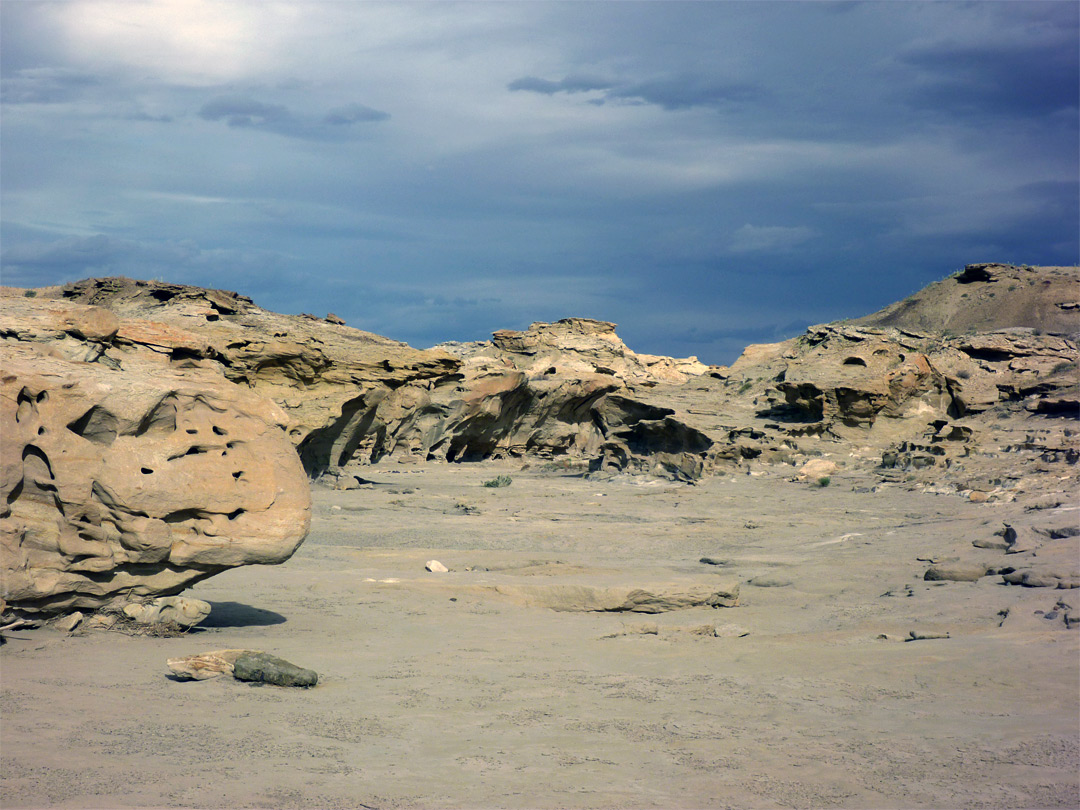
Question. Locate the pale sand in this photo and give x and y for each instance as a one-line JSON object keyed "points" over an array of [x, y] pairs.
{"points": [[436, 693]]}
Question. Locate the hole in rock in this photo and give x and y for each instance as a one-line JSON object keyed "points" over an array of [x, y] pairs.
{"points": [[146, 471], [220, 431], [854, 361], [96, 425]]}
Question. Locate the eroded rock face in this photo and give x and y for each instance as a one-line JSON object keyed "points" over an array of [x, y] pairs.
{"points": [[327, 377], [130, 476]]}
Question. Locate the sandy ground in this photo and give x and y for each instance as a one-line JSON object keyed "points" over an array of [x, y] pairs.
{"points": [[436, 691]]}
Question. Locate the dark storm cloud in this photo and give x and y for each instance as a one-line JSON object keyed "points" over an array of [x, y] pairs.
{"points": [[243, 112], [1012, 79], [671, 92], [92, 253], [41, 261], [45, 86]]}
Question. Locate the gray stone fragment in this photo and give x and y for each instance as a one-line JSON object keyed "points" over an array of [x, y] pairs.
{"points": [[262, 667], [954, 572]]}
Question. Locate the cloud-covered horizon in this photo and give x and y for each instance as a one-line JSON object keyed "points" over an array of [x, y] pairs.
{"points": [[703, 174]]}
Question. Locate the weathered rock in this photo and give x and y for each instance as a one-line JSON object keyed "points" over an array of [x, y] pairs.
{"points": [[205, 666], [955, 572], [769, 581], [177, 610], [1044, 577], [435, 567], [650, 599], [131, 478], [68, 623], [262, 667], [1020, 539], [577, 346], [816, 468], [925, 635]]}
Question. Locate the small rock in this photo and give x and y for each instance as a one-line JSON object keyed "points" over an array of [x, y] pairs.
{"points": [[993, 542], [703, 630], [921, 635], [260, 667], [714, 561], [101, 621], [334, 319], [165, 609], [204, 666], [815, 468], [767, 581], [978, 496], [435, 567], [1020, 539], [730, 631], [954, 573], [69, 623]]}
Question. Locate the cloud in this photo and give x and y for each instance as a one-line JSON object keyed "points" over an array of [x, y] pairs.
{"points": [[40, 262], [43, 85], [353, 114], [679, 92], [239, 111], [1019, 79], [243, 112], [769, 238]]}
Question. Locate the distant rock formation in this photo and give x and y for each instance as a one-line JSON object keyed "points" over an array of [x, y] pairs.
{"points": [[354, 396], [989, 297], [126, 470]]}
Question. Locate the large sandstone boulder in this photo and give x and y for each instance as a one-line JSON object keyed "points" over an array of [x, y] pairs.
{"points": [[132, 475]]}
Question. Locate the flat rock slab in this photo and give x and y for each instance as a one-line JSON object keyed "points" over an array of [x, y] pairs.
{"points": [[660, 598], [594, 597], [262, 667]]}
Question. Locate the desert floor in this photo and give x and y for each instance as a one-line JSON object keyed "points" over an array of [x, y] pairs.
{"points": [[436, 691]]}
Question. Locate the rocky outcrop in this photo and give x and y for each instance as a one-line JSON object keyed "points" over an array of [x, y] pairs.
{"points": [[579, 346], [988, 297], [327, 377], [127, 474]]}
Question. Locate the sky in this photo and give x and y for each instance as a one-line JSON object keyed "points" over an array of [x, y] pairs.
{"points": [[706, 175]]}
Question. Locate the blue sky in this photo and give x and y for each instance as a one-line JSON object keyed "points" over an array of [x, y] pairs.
{"points": [[706, 174]]}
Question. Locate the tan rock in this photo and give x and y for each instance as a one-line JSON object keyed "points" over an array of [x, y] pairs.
{"points": [[176, 610], [132, 477], [205, 666], [816, 468]]}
